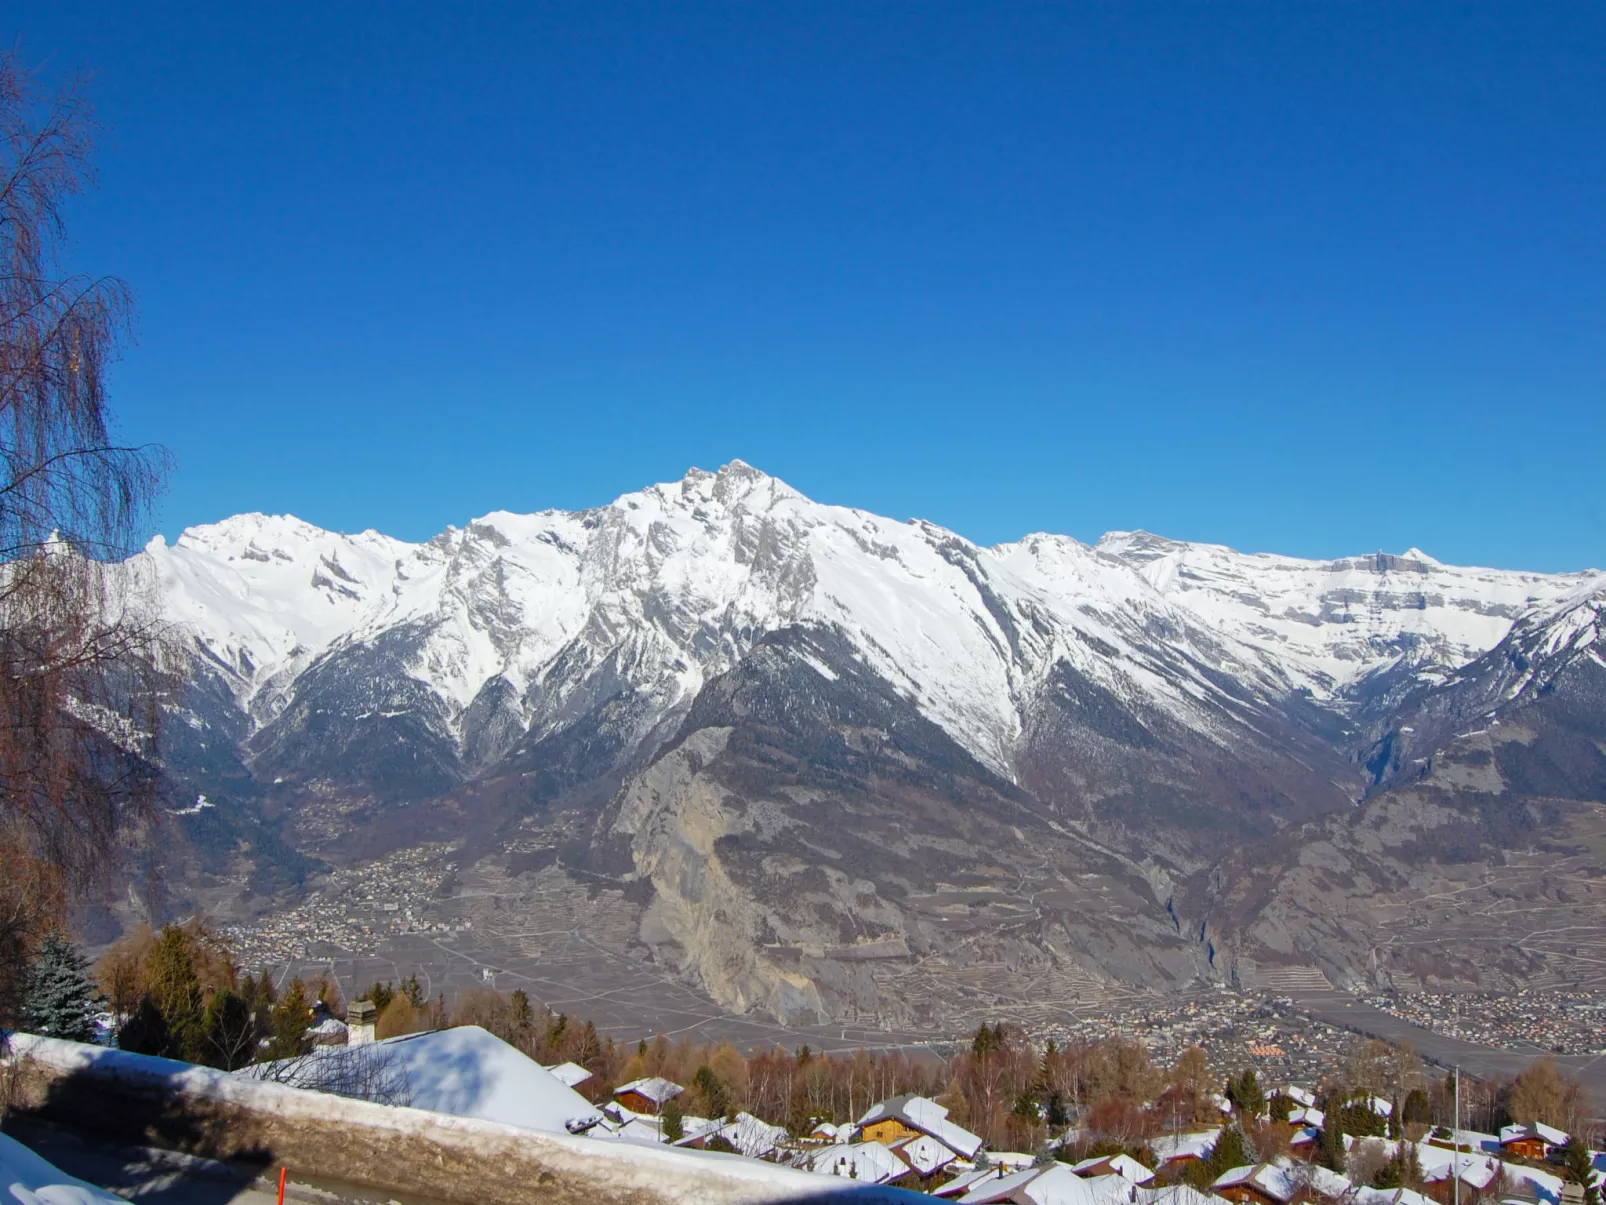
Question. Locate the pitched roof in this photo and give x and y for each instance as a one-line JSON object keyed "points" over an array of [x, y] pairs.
{"points": [[1184, 1146], [465, 1071], [1122, 1165], [867, 1162], [1549, 1135], [569, 1073], [924, 1153], [654, 1088], [927, 1116], [1276, 1182]]}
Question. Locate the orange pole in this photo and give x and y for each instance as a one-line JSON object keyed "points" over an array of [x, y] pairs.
{"points": [[282, 1172]]}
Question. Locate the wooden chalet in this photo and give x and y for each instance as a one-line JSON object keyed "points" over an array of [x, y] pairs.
{"points": [[647, 1095]]}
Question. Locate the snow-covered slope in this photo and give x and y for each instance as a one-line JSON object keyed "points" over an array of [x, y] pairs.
{"points": [[519, 623], [1333, 624]]}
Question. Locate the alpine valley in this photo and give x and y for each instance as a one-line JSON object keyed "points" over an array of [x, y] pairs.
{"points": [[825, 766]]}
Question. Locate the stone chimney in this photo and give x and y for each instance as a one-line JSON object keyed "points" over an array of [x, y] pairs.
{"points": [[360, 1018]]}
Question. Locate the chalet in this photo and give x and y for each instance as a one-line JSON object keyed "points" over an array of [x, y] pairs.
{"points": [[746, 1135], [965, 1181], [908, 1116], [1257, 1184], [647, 1096], [571, 1074], [866, 1162], [1176, 1151], [925, 1156], [1535, 1142], [1302, 1097], [1477, 1173], [1128, 1168], [1055, 1184]]}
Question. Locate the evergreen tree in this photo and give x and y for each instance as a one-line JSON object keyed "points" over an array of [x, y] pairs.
{"points": [[413, 991], [1246, 1094], [1054, 1110], [1418, 1109], [1231, 1150], [674, 1130], [380, 996], [711, 1090], [289, 1023], [59, 1000], [175, 990], [521, 1016], [1330, 1153], [1579, 1166]]}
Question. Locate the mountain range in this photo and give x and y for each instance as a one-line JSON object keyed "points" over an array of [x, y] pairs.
{"points": [[838, 766]]}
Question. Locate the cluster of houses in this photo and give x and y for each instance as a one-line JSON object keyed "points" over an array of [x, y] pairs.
{"points": [[911, 1142]]}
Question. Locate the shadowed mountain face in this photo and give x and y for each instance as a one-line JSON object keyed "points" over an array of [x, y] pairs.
{"points": [[843, 767]]}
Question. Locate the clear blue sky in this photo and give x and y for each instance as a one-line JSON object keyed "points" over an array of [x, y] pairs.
{"points": [[1313, 278]]}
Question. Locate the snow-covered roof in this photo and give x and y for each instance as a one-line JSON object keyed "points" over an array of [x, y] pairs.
{"points": [[924, 1153], [1300, 1096], [1184, 1146], [751, 1136], [1122, 1165], [29, 1179], [1175, 1194], [1278, 1183], [927, 1116], [1307, 1116], [1002, 1189], [1479, 1171], [966, 1180], [571, 1074], [1549, 1135], [654, 1088], [1360, 1195], [464, 1071], [866, 1162]]}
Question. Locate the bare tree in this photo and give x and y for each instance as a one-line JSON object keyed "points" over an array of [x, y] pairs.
{"points": [[77, 655], [369, 1071]]}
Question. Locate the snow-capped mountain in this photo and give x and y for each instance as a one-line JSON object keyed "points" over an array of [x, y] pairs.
{"points": [[663, 589], [1141, 706]]}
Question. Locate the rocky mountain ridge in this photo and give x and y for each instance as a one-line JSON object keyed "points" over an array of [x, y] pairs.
{"points": [[675, 690]]}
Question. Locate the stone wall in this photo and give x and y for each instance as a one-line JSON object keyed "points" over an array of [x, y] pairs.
{"points": [[157, 1102]]}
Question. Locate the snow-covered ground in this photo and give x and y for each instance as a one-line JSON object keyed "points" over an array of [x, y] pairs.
{"points": [[27, 1179]]}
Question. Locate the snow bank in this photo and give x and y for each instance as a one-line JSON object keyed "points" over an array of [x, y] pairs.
{"points": [[399, 1149], [466, 1071], [27, 1179]]}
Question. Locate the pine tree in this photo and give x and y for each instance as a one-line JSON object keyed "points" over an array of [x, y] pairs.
{"points": [[289, 1023], [521, 1016], [1579, 1166], [60, 1000], [175, 990], [413, 991], [1331, 1152], [1231, 1150], [674, 1130]]}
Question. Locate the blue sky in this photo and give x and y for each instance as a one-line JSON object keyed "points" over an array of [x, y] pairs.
{"points": [[1311, 278]]}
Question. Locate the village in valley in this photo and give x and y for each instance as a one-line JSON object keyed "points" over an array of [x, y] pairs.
{"points": [[1196, 1104]]}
